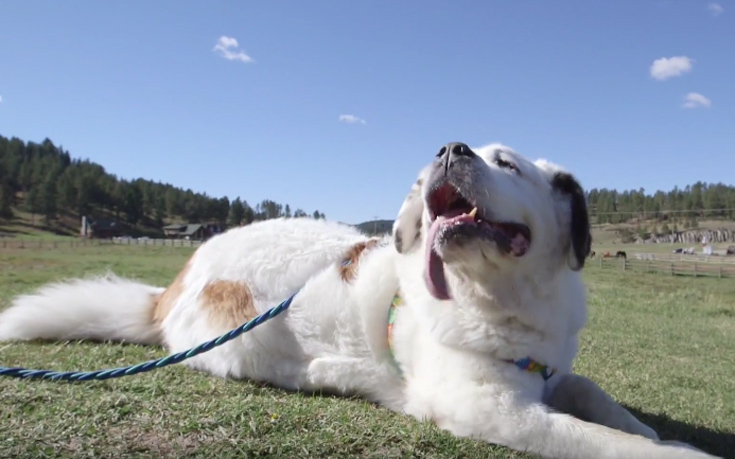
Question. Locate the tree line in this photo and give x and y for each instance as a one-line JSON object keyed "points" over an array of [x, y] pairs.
{"points": [[686, 205], [44, 180]]}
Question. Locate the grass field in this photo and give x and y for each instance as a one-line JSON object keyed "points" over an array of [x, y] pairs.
{"points": [[661, 345]]}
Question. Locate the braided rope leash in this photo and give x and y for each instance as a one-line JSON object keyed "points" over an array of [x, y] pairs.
{"points": [[150, 365]]}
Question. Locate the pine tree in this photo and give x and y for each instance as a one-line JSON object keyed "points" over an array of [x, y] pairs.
{"points": [[48, 197], [33, 202], [249, 216], [67, 197], [159, 210], [133, 203], [237, 212], [7, 198], [84, 194]]}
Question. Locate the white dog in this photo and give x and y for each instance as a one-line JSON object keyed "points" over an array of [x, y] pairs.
{"points": [[467, 316]]}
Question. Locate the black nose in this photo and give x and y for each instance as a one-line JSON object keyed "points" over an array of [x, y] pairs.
{"points": [[455, 149]]}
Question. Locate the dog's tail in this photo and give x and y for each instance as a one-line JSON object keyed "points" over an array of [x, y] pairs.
{"points": [[107, 308]]}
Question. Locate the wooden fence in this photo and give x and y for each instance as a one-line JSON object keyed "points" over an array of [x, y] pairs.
{"points": [[695, 257], [668, 267], [7, 243], [158, 242]]}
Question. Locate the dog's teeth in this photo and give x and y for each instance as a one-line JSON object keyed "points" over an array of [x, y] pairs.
{"points": [[473, 212]]}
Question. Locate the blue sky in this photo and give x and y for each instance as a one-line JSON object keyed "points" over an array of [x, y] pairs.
{"points": [[144, 89]]}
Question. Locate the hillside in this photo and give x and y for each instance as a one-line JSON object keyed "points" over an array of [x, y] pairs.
{"points": [[375, 227], [43, 190]]}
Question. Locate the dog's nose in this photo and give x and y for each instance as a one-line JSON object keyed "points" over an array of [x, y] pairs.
{"points": [[455, 149], [452, 153]]}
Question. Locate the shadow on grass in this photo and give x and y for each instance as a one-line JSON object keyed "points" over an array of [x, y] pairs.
{"points": [[720, 444]]}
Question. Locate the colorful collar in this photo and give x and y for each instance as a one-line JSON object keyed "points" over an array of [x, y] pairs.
{"points": [[532, 366], [526, 364], [397, 301]]}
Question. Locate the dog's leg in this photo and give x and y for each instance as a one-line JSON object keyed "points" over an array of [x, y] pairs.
{"points": [[483, 412], [352, 375], [582, 398]]}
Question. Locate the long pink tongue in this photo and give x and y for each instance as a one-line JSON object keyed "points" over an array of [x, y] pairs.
{"points": [[436, 282]]}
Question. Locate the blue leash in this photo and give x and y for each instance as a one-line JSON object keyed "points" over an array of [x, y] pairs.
{"points": [[150, 365]]}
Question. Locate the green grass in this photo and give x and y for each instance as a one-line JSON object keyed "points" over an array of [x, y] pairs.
{"points": [[662, 346]]}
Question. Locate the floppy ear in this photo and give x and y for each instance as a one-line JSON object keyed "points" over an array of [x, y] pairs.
{"points": [[407, 226], [581, 238]]}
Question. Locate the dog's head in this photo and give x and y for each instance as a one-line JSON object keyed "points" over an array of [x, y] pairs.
{"points": [[479, 214]]}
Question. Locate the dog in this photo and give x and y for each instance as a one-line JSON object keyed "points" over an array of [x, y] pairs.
{"points": [[466, 315]]}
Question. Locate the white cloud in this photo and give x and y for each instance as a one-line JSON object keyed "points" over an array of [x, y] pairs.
{"points": [[668, 67], [351, 119], [227, 47], [715, 8], [695, 100]]}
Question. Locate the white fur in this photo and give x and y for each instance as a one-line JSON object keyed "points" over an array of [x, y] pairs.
{"points": [[334, 336]]}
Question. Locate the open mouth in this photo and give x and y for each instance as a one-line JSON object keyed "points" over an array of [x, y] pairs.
{"points": [[454, 218]]}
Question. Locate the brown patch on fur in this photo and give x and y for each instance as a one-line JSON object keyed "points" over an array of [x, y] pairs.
{"points": [[348, 268], [230, 304], [165, 302]]}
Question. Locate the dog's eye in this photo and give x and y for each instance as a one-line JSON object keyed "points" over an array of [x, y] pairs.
{"points": [[506, 164]]}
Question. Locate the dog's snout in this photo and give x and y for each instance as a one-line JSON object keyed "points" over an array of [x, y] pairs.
{"points": [[455, 149], [453, 152]]}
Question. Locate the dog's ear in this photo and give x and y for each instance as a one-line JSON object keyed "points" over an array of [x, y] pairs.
{"points": [[407, 226], [579, 233]]}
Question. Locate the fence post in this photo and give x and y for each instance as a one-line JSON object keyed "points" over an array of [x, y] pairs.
{"points": [[600, 262], [625, 262], [671, 268], [695, 269]]}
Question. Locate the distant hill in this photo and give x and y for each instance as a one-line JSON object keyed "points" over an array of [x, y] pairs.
{"points": [[44, 190], [376, 227]]}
